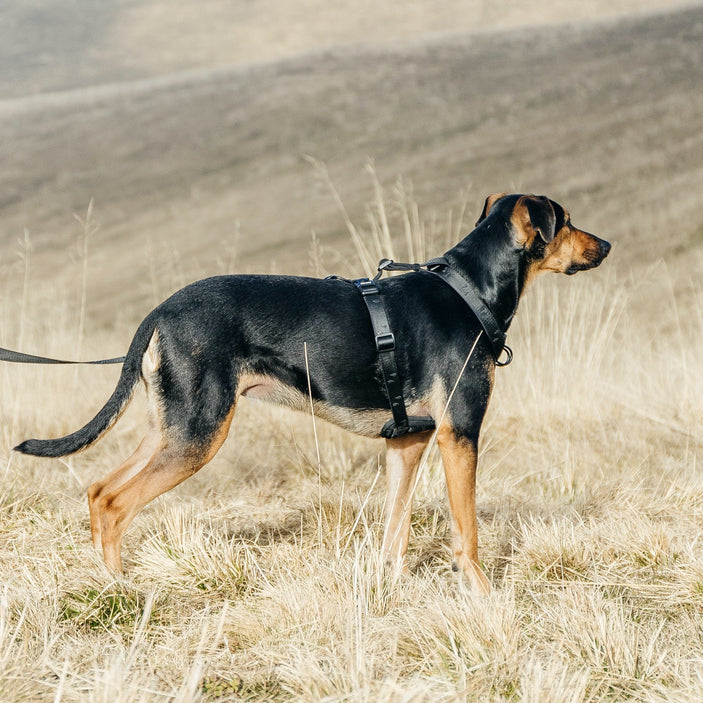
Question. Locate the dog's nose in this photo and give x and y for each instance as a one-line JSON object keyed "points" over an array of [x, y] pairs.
{"points": [[604, 248]]}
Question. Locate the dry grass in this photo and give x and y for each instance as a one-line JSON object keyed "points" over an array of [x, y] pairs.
{"points": [[258, 579]]}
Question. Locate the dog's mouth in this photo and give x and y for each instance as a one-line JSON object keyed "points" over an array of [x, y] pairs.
{"points": [[592, 257]]}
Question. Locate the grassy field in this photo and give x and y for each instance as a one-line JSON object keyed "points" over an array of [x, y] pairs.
{"points": [[258, 579]]}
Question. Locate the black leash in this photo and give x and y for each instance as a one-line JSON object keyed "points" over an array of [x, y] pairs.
{"points": [[20, 358]]}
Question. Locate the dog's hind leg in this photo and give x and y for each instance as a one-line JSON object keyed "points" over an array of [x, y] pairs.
{"points": [[146, 449], [171, 463], [130, 467], [402, 459]]}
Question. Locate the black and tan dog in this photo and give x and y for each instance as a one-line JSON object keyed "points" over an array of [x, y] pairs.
{"points": [[230, 336]]}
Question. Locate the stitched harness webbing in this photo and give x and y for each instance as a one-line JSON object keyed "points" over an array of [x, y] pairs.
{"points": [[401, 424], [441, 267]]}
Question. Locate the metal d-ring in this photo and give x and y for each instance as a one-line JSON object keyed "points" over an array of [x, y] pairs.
{"points": [[508, 356]]}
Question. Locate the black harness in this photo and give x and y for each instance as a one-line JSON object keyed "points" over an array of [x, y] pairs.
{"points": [[402, 424]]}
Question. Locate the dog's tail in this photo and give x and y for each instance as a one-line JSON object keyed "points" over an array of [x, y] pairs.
{"points": [[110, 412]]}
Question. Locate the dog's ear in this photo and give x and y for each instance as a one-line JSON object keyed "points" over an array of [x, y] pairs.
{"points": [[490, 202], [534, 216]]}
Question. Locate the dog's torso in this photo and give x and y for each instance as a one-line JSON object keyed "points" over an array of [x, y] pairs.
{"points": [[250, 334]]}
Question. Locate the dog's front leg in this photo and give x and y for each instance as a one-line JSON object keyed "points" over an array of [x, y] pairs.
{"points": [[402, 459], [459, 456]]}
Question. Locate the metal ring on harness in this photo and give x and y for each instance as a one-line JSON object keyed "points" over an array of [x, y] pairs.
{"points": [[508, 354]]}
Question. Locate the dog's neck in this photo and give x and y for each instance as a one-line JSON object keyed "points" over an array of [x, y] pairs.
{"points": [[489, 257]]}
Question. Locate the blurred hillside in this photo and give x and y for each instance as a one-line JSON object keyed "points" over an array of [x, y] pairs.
{"points": [[52, 45], [191, 127]]}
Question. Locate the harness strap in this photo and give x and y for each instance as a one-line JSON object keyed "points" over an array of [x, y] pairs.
{"points": [[441, 268], [401, 424], [465, 288], [20, 358]]}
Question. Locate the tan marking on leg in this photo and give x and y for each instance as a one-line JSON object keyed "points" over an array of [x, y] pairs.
{"points": [[146, 449], [169, 464], [130, 467], [403, 456], [153, 439], [117, 510], [459, 458], [219, 436]]}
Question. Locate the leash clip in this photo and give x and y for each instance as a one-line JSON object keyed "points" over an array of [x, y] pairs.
{"points": [[508, 356]]}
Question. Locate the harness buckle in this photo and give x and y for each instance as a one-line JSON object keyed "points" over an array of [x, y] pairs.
{"points": [[366, 287], [384, 264], [385, 342]]}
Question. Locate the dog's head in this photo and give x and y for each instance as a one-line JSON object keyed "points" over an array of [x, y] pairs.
{"points": [[543, 230]]}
